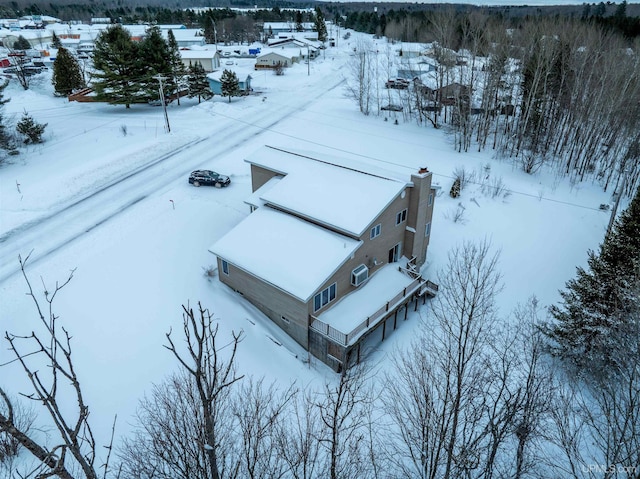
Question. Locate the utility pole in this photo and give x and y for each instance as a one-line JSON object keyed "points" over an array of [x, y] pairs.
{"points": [[215, 34], [308, 61], [164, 103]]}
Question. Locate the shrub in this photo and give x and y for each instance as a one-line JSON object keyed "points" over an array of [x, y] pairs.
{"points": [[30, 129], [465, 177]]}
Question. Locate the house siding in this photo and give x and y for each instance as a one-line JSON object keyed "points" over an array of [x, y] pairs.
{"points": [[377, 248], [259, 176], [272, 301], [420, 213], [270, 60], [417, 198], [208, 64]]}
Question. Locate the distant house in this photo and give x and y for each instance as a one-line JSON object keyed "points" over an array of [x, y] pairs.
{"points": [[277, 28], [301, 46], [411, 69], [331, 251], [449, 94], [209, 59], [244, 82], [271, 60], [185, 37]]}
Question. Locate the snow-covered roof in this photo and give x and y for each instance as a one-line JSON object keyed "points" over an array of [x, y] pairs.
{"points": [[354, 308], [197, 54], [241, 73], [183, 33], [287, 26], [279, 53], [287, 252], [339, 196]]}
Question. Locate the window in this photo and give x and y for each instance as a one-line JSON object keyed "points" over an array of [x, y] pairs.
{"points": [[401, 216], [427, 229], [324, 297], [225, 267], [375, 231], [430, 199], [359, 275]]}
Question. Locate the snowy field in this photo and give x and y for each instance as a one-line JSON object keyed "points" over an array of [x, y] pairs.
{"points": [[107, 196]]}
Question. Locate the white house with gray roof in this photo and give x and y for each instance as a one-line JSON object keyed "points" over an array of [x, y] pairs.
{"points": [[331, 250]]}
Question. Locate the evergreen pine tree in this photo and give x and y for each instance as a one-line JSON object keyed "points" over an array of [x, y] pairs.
{"points": [[119, 71], [21, 43], [30, 129], [299, 25], [155, 60], [55, 41], [67, 76], [229, 83], [178, 70], [596, 316], [198, 83], [320, 25]]}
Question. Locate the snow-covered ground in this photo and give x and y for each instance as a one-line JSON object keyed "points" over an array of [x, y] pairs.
{"points": [[107, 196]]}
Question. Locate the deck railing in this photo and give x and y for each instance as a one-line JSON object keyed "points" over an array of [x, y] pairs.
{"points": [[371, 321]]}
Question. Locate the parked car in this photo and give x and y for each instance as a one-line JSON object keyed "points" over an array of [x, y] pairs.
{"points": [[398, 84], [208, 178], [391, 107]]}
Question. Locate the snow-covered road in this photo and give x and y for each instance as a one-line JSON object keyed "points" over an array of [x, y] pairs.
{"points": [[79, 212]]}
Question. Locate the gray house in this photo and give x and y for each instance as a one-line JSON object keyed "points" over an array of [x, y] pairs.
{"points": [[331, 250]]}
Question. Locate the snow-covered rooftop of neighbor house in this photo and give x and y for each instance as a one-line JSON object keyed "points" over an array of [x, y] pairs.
{"points": [[197, 53], [284, 250], [354, 308], [343, 197], [241, 72], [182, 33]]}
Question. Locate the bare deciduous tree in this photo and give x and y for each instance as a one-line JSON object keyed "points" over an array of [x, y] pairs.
{"points": [[342, 408], [362, 79], [450, 401], [213, 375], [74, 452], [534, 377], [168, 441], [258, 412], [23, 418], [296, 439]]}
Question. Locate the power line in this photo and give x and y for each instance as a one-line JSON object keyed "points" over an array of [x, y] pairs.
{"points": [[409, 168]]}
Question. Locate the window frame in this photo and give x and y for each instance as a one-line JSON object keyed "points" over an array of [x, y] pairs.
{"points": [[225, 266], [330, 293], [401, 216], [375, 231], [427, 229]]}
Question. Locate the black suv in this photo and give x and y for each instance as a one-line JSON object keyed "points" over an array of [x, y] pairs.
{"points": [[208, 178]]}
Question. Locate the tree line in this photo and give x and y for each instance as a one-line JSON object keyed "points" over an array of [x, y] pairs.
{"points": [[556, 92], [473, 395], [127, 72]]}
